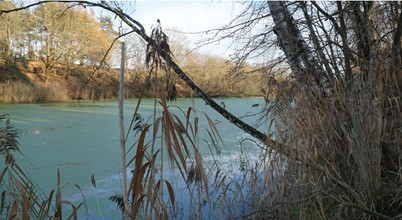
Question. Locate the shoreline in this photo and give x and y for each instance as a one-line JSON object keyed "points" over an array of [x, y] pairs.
{"points": [[19, 84], [115, 99]]}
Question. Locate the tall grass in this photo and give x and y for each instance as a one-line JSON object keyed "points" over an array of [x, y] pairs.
{"points": [[350, 145], [174, 140], [211, 191], [21, 92], [170, 179]]}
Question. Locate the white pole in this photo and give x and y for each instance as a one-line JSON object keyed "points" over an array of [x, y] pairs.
{"points": [[122, 144]]}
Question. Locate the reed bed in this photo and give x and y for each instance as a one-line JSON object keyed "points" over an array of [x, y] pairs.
{"points": [[350, 145], [211, 192], [207, 190], [22, 92]]}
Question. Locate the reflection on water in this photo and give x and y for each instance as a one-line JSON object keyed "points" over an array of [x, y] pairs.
{"points": [[41, 130], [81, 139]]}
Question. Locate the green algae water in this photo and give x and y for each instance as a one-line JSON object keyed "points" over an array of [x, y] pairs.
{"points": [[82, 139]]}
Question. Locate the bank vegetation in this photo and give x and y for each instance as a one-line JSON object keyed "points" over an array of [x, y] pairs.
{"points": [[52, 54]]}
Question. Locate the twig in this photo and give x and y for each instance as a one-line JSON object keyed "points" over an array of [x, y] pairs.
{"points": [[104, 57]]}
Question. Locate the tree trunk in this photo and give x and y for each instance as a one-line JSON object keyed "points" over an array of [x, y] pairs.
{"points": [[364, 111], [300, 58], [396, 45]]}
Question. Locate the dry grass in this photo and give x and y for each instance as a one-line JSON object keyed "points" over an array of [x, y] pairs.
{"points": [[350, 142], [21, 92], [213, 192], [351, 145]]}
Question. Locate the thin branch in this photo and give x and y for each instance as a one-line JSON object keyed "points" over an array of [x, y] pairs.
{"points": [[96, 68]]}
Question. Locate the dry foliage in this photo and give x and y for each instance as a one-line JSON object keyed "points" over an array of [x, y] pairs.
{"points": [[170, 143], [21, 92], [351, 145]]}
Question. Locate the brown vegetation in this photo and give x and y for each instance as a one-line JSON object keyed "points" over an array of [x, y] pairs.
{"points": [[61, 52], [27, 84]]}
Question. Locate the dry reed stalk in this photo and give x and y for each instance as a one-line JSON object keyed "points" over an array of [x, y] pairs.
{"points": [[345, 140], [148, 200], [21, 92]]}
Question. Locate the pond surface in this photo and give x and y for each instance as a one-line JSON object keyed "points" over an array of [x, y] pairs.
{"points": [[82, 139]]}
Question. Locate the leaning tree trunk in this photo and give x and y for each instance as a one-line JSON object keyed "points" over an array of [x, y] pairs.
{"points": [[299, 56], [396, 45]]}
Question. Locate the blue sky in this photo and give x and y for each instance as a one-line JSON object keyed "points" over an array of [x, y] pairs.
{"points": [[183, 15], [187, 16]]}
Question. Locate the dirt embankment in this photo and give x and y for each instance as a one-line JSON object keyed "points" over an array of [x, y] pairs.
{"points": [[30, 82]]}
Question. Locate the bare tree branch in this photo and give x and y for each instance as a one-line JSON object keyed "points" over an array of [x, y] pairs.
{"points": [[96, 68]]}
